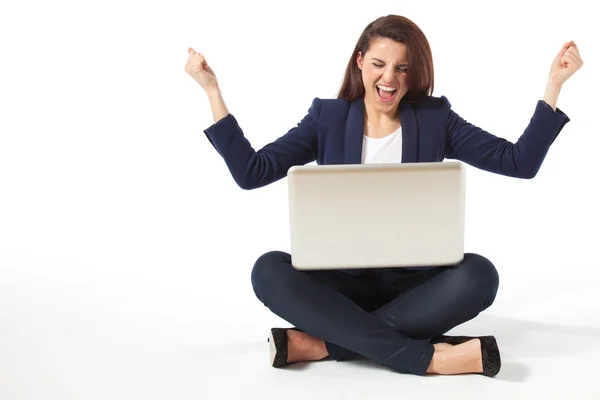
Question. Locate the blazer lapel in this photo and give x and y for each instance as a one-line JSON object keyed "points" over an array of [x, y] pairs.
{"points": [[355, 127], [410, 140], [355, 124]]}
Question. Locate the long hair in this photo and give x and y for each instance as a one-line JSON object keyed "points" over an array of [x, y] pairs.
{"points": [[420, 60]]}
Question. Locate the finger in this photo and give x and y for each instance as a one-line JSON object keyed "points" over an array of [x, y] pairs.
{"points": [[566, 62], [569, 55], [574, 54], [191, 51], [563, 50], [577, 63], [571, 62], [201, 59], [572, 50], [575, 50], [574, 58]]}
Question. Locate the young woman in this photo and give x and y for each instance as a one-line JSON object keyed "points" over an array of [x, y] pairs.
{"points": [[384, 112]]}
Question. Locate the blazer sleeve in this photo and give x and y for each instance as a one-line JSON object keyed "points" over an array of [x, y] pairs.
{"points": [[483, 150], [253, 169]]}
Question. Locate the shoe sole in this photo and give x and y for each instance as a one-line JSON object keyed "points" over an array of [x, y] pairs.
{"points": [[272, 348]]}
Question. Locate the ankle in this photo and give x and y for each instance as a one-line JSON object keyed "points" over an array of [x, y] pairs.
{"points": [[304, 347]]}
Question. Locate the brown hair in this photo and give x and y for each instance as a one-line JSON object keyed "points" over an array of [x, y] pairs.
{"points": [[420, 60]]}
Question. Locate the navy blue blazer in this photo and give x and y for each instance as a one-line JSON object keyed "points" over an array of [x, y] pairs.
{"points": [[332, 133]]}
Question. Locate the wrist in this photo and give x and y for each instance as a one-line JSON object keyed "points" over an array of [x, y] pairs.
{"points": [[213, 91], [551, 94], [553, 85]]}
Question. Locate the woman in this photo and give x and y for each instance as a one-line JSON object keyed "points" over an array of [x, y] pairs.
{"points": [[384, 113]]}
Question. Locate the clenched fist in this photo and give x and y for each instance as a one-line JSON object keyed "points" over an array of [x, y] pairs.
{"points": [[567, 62], [198, 68]]}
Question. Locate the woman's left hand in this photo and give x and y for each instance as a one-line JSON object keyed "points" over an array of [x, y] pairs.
{"points": [[567, 62]]}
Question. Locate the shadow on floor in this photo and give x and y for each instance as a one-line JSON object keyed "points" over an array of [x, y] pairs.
{"points": [[517, 338]]}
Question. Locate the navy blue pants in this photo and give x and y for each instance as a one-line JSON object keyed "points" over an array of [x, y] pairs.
{"points": [[387, 315]]}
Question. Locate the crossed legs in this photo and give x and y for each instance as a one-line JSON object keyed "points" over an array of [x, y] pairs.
{"points": [[387, 315]]}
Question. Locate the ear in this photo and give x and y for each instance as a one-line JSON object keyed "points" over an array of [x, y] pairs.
{"points": [[359, 61]]}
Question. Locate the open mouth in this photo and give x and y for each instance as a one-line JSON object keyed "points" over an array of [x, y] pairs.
{"points": [[386, 93]]}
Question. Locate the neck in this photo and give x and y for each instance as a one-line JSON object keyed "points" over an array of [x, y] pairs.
{"points": [[374, 117]]}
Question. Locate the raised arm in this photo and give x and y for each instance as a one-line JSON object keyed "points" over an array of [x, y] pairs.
{"points": [[521, 159], [251, 168]]}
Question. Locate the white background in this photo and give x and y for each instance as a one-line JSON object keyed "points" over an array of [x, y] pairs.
{"points": [[126, 247]]}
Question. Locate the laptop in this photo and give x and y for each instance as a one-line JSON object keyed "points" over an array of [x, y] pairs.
{"points": [[376, 215]]}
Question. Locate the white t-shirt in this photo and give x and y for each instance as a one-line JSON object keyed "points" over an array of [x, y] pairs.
{"points": [[387, 149]]}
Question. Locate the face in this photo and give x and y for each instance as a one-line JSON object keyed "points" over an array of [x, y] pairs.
{"points": [[384, 71]]}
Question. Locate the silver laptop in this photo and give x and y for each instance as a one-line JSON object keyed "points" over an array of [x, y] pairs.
{"points": [[377, 215]]}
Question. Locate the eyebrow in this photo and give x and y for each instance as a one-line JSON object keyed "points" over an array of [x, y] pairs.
{"points": [[381, 61]]}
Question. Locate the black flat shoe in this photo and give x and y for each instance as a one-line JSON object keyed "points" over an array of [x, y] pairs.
{"points": [[279, 346], [490, 354]]}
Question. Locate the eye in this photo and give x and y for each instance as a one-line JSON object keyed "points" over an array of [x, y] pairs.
{"points": [[400, 69]]}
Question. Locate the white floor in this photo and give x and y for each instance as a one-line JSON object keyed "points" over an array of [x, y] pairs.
{"points": [[69, 335]]}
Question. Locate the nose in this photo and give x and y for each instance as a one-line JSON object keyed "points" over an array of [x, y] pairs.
{"points": [[388, 74]]}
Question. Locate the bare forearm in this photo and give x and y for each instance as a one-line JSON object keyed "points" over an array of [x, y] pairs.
{"points": [[217, 104], [551, 94]]}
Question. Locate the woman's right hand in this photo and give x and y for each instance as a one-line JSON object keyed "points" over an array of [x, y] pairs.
{"points": [[198, 68]]}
